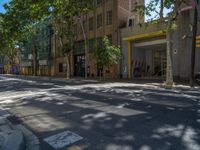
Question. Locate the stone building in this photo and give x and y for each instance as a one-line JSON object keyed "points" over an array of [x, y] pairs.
{"points": [[106, 19], [37, 52], [144, 49]]}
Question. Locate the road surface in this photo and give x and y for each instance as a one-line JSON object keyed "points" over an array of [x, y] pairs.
{"points": [[104, 116]]}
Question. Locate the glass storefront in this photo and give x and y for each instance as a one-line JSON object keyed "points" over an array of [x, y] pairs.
{"points": [[150, 64]]}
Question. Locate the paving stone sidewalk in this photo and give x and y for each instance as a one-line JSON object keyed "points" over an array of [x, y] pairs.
{"points": [[145, 82]]}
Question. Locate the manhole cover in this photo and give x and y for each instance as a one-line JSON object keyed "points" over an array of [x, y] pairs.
{"points": [[63, 139]]}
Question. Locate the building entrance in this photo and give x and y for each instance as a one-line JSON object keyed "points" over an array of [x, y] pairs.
{"points": [[79, 65], [149, 61]]}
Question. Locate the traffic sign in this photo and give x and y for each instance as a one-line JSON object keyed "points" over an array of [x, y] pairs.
{"points": [[198, 41], [198, 37]]}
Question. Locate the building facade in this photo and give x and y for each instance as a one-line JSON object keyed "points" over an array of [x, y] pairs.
{"points": [[106, 19], [145, 49], [37, 52]]}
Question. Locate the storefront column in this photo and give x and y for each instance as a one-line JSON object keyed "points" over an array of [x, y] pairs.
{"points": [[129, 59]]}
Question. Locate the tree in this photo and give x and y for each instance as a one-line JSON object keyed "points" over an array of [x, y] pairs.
{"points": [[61, 12], [169, 20], [64, 15], [7, 45], [106, 54], [19, 26], [22, 24]]}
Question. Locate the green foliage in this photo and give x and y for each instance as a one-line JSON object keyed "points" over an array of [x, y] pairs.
{"points": [[20, 22], [64, 15], [152, 8], [107, 53]]}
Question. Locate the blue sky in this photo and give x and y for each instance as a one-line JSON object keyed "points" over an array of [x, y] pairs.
{"points": [[1, 5], [154, 14]]}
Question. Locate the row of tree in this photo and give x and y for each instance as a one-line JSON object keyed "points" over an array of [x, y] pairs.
{"points": [[21, 18], [20, 22]]}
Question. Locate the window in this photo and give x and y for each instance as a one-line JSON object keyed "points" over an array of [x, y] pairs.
{"points": [[60, 67], [79, 47], [99, 42], [131, 22], [91, 45], [91, 23], [110, 38], [99, 21], [98, 2], [109, 17]]}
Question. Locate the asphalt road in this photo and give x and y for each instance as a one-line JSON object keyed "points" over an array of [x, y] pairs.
{"points": [[105, 116]]}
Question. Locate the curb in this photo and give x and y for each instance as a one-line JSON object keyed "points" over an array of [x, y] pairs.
{"points": [[176, 86], [32, 142], [50, 78], [11, 139], [26, 140]]}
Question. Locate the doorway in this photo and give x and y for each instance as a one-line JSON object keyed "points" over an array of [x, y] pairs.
{"points": [[79, 65]]}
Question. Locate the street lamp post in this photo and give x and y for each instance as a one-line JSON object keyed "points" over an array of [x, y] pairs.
{"points": [[85, 41]]}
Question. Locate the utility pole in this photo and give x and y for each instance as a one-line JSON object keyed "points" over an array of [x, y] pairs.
{"points": [[193, 52], [194, 34], [85, 41]]}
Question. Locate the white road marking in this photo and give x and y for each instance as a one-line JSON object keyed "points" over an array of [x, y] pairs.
{"points": [[63, 139]]}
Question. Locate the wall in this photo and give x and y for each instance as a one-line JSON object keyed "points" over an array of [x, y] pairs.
{"points": [[181, 49]]}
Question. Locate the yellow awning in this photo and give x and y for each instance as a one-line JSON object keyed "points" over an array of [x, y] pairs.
{"points": [[146, 35]]}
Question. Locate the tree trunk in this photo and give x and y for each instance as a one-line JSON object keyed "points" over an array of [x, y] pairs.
{"points": [[161, 9], [67, 58], [100, 74], [68, 67], [169, 74], [34, 59], [193, 51]]}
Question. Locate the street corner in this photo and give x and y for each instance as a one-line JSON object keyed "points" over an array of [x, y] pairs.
{"points": [[10, 139]]}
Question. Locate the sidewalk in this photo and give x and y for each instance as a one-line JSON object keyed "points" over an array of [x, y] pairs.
{"points": [[145, 82], [14, 136]]}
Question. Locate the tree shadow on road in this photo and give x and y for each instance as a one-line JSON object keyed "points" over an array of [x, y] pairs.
{"points": [[114, 118]]}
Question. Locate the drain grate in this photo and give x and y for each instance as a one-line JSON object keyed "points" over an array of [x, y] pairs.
{"points": [[14, 120]]}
